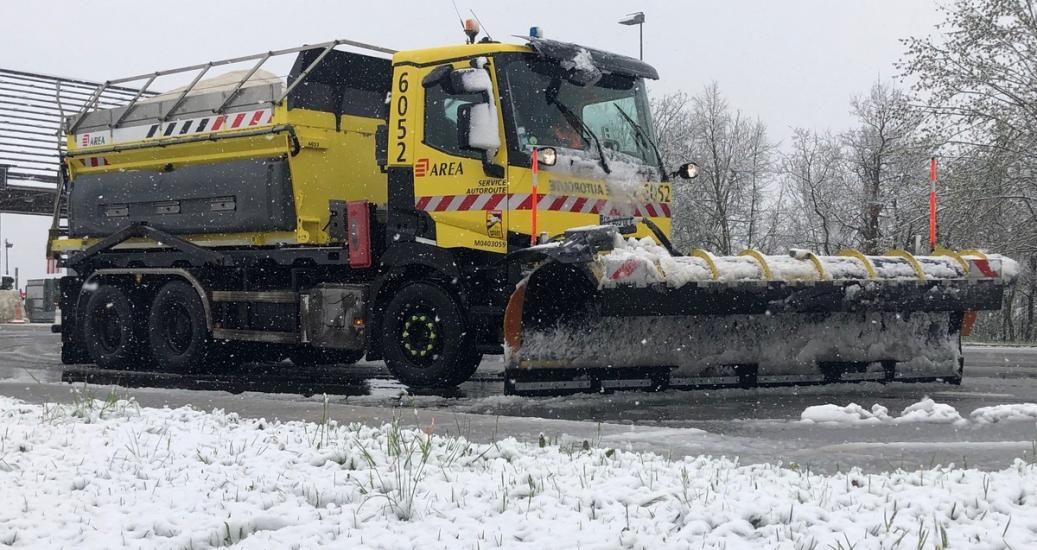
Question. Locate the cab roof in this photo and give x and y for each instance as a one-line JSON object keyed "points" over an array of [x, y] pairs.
{"points": [[604, 61]]}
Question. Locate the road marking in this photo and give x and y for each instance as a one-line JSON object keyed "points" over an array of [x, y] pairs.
{"points": [[973, 394], [983, 445]]}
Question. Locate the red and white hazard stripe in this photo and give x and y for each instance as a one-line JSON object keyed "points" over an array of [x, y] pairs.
{"points": [[175, 128], [231, 121], [524, 201], [94, 161]]}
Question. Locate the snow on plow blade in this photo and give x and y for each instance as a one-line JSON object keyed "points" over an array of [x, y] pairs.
{"points": [[601, 312]]}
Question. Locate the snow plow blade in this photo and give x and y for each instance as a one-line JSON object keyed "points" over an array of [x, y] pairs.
{"points": [[601, 312]]}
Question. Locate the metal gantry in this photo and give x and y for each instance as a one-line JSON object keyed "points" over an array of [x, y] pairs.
{"points": [[32, 107]]}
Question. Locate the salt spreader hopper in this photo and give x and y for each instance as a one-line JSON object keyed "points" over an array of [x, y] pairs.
{"points": [[602, 312]]}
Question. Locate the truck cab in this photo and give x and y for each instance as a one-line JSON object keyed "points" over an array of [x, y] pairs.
{"points": [[464, 122]]}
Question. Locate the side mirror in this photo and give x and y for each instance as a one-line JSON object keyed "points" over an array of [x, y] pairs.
{"points": [[440, 74], [688, 171], [471, 81], [477, 127]]}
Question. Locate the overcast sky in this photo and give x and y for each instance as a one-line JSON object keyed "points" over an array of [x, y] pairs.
{"points": [[793, 63]]}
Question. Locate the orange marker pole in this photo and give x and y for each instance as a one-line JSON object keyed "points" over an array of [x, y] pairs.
{"points": [[932, 203], [535, 197]]}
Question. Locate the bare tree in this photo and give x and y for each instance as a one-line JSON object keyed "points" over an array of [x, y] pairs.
{"points": [[885, 154], [813, 173], [977, 81]]}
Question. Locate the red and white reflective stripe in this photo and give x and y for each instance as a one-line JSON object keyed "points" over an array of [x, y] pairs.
{"points": [[553, 203], [625, 269], [94, 161], [984, 267], [175, 128]]}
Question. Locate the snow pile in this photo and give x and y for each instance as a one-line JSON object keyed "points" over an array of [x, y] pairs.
{"points": [[1004, 413], [108, 475], [929, 411], [850, 414], [924, 411], [650, 263]]}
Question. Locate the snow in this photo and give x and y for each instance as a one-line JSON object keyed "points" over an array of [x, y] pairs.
{"points": [[797, 266], [924, 411], [1004, 413], [583, 61], [1009, 267], [940, 267], [892, 267], [843, 267], [850, 414], [483, 131], [583, 67], [624, 181], [928, 410], [786, 268], [114, 475], [737, 268]]}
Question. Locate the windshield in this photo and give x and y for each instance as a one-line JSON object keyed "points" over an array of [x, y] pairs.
{"points": [[549, 110]]}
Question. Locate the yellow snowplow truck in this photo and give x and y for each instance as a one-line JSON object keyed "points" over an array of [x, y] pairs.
{"points": [[427, 207]]}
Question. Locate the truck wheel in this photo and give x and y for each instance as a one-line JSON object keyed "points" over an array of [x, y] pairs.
{"points": [[308, 356], [425, 340], [177, 331], [112, 330]]}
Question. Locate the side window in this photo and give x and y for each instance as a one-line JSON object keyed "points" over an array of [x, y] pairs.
{"points": [[441, 120]]}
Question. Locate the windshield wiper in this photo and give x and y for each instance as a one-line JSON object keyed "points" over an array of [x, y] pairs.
{"points": [[644, 137], [578, 123]]}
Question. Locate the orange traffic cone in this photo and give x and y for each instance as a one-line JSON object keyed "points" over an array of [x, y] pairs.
{"points": [[19, 312]]}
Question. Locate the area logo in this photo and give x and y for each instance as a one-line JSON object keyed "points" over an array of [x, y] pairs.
{"points": [[96, 140], [420, 168], [424, 168]]}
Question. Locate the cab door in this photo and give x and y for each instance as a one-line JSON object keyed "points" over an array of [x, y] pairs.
{"points": [[458, 181]]}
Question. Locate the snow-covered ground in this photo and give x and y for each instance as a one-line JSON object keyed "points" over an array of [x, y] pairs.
{"points": [[103, 474]]}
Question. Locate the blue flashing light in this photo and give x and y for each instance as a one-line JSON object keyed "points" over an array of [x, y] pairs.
{"points": [[536, 32]]}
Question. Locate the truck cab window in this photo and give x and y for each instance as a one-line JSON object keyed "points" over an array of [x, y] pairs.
{"points": [[441, 109]]}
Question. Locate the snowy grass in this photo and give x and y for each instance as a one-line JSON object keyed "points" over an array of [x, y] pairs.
{"points": [[105, 473]]}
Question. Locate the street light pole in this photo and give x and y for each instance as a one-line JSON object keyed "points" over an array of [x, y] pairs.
{"points": [[7, 256], [637, 18]]}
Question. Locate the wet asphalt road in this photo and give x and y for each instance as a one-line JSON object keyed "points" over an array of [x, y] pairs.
{"points": [[756, 425]]}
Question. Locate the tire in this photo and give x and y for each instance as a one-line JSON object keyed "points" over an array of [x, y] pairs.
{"points": [[178, 334], [426, 341], [309, 356], [113, 330]]}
